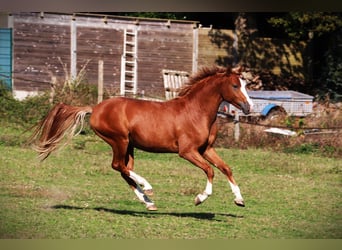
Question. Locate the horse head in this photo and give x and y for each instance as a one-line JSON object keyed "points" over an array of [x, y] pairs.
{"points": [[234, 90]]}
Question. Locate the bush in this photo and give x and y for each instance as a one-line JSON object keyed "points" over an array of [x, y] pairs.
{"points": [[29, 111], [82, 95], [23, 113]]}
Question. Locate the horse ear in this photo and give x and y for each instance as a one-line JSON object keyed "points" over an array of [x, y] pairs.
{"points": [[228, 70], [237, 70]]}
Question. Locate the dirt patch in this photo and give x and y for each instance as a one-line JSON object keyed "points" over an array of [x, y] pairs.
{"points": [[30, 191]]}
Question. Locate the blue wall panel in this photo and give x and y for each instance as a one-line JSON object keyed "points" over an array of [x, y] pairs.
{"points": [[6, 57]]}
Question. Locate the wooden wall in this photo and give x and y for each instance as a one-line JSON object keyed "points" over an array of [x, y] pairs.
{"points": [[215, 46], [94, 44], [42, 47], [36, 48], [162, 49]]}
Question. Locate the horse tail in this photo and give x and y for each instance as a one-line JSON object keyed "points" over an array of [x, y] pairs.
{"points": [[60, 123]]}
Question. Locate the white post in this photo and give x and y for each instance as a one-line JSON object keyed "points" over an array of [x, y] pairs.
{"points": [[73, 49], [100, 83], [123, 66], [236, 126]]}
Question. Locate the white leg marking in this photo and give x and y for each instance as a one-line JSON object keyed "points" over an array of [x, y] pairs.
{"points": [[209, 188], [236, 191], [207, 192], [140, 180], [143, 197]]}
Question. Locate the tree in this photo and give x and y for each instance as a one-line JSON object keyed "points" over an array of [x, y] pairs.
{"points": [[323, 33]]}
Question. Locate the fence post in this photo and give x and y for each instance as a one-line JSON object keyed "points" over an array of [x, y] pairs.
{"points": [[100, 83], [236, 127]]}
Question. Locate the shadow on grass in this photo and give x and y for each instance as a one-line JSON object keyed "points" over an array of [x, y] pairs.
{"points": [[151, 214]]}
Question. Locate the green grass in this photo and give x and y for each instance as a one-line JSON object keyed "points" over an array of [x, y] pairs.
{"points": [[76, 194]]}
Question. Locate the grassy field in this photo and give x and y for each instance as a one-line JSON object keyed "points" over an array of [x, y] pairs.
{"points": [[75, 194]]}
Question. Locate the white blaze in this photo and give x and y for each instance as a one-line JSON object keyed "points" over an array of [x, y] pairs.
{"points": [[244, 91]]}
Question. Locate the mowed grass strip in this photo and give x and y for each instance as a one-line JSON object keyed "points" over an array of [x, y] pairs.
{"points": [[75, 194]]}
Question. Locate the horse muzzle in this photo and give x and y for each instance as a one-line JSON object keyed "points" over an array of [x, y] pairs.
{"points": [[245, 107]]}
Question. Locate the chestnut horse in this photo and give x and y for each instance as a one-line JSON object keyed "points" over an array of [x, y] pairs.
{"points": [[184, 125]]}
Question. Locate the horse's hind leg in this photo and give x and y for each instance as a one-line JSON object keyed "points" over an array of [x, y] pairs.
{"points": [[130, 177], [137, 178], [123, 161], [139, 193]]}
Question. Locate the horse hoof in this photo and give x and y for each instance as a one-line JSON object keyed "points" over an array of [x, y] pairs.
{"points": [[148, 192], [239, 202], [152, 208], [197, 201]]}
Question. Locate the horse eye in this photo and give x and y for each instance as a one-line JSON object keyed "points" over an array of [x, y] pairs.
{"points": [[235, 86]]}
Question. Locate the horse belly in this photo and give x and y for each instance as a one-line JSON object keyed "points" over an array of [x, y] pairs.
{"points": [[154, 140]]}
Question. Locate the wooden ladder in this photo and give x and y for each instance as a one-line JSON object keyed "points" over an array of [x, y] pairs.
{"points": [[129, 64]]}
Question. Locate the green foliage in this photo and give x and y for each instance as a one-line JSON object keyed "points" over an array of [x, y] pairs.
{"points": [[32, 109], [82, 95], [298, 25], [290, 121], [306, 148], [323, 31], [331, 75], [28, 111]]}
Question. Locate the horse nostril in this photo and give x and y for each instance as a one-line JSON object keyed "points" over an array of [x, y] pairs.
{"points": [[245, 108]]}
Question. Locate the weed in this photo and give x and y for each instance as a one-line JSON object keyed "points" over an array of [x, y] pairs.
{"points": [[307, 148]]}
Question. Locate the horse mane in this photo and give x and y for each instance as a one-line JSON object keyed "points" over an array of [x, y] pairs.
{"points": [[201, 74]]}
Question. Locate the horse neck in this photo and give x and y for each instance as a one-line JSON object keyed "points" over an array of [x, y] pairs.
{"points": [[206, 98]]}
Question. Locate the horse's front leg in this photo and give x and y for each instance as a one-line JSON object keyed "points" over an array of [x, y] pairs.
{"points": [[211, 155], [195, 158]]}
